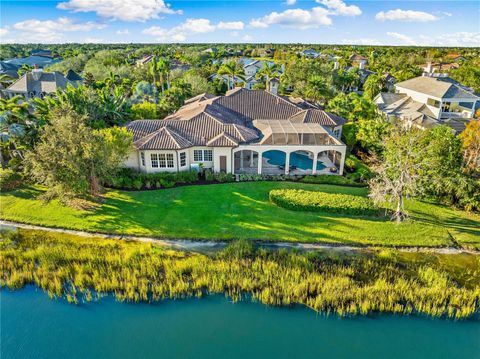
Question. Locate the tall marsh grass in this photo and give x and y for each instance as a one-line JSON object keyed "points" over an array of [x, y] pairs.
{"points": [[81, 269]]}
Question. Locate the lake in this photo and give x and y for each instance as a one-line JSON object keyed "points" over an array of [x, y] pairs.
{"points": [[33, 326]]}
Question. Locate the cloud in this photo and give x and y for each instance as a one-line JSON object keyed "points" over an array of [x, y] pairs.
{"points": [[4, 31], [291, 2], [460, 39], [407, 40], [122, 32], [304, 19], [190, 27], [362, 41], [125, 10], [298, 18], [446, 13], [52, 30], [405, 15], [233, 25], [338, 7]]}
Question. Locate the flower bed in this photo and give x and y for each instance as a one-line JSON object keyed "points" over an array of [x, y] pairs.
{"points": [[300, 200]]}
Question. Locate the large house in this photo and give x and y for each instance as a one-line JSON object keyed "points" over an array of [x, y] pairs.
{"points": [[427, 101], [246, 131], [38, 83]]}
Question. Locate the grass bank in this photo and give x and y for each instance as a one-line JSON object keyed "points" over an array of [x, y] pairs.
{"points": [[81, 269], [243, 211]]}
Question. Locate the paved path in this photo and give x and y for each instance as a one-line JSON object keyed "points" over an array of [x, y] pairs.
{"points": [[210, 246]]}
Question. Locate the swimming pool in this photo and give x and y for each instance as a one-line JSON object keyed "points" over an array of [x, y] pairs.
{"points": [[297, 159]]}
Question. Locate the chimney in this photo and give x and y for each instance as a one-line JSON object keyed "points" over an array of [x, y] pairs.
{"points": [[36, 72], [428, 69], [361, 65], [336, 65]]}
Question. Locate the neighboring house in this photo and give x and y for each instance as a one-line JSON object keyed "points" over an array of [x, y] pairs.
{"points": [[441, 67], [389, 81], [73, 76], [211, 50], [363, 73], [9, 69], [40, 61], [243, 132], [455, 57], [428, 101], [358, 60], [309, 53], [145, 60], [38, 84]]}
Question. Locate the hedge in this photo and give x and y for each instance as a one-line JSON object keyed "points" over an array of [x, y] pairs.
{"points": [[300, 200], [130, 179], [331, 179]]}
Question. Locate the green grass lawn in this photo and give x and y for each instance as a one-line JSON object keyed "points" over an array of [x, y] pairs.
{"points": [[242, 210]]}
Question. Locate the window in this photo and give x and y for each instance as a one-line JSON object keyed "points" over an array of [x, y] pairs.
{"points": [[198, 155], [336, 133], [142, 157], [207, 155], [170, 160], [202, 155], [162, 161], [154, 159], [183, 159], [434, 103]]}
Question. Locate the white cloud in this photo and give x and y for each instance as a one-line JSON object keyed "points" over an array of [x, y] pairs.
{"points": [[304, 19], [298, 18], [123, 32], [405, 15], [406, 40], [460, 39], [190, 27], [233, 25], [4, 31], [446, 13], [338, 7], [126, 10], [51, 30], [291, 2], [362, 41]]}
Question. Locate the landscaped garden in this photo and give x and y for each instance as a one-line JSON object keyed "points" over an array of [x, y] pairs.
{"points": [[244, 211]]}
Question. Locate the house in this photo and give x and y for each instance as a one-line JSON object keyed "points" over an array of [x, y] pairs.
{"points": [[427, 101], [32, 60], [11, 70], [309, 53], [145, 60], [211, 50], [73, 76], [441, 67], [38, 83], [358, 60], [245, 131], [455, 57], [389, 81]]}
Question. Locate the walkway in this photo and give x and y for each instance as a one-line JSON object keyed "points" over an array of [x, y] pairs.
{"points": [[212, 246]]}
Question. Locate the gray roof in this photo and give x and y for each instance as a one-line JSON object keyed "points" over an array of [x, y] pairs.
{"points": [[41, 61], [9, 69], [436, 87], [226, 121], [73, 76], [48, 82]]}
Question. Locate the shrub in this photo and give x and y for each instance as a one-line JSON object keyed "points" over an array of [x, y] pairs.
{"points": [[127, 178], [300, 200], [329, 179], [9, 179]]}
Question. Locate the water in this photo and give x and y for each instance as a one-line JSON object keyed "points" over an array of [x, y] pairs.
{"points": [[33, 326], [299, 160]]}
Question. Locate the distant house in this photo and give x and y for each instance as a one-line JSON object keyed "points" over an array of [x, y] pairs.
{"points": [[144, 60], [32, 60], [358, 60], [9, 69], [429, 101], [211, 50], [38, 83], [440, 67], [309, 53], [73, 76], [389, 81], [243, 132], [455, 57]]}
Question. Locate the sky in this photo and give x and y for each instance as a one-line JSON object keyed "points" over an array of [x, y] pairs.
{"points": [[366, 22]]}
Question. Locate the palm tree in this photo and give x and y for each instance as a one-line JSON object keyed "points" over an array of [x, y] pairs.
{"points": [[317, 89], [373, 85], [269, 72], [24, 69], [163, 67], [233, 70], [111, 80]]}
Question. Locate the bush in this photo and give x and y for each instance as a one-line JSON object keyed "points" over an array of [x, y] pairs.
{"points": [[330, 179], [127, 178], [9, 179], [300, 200], [219, 176]]}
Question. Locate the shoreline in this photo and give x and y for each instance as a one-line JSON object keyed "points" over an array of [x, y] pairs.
{"points": [[209, 245]]}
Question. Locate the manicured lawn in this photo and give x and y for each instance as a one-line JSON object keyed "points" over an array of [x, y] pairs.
{"points": [[242, 210]]}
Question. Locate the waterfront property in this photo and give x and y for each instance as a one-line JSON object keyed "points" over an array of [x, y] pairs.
{"points": [[246, 131], [428, 101]]}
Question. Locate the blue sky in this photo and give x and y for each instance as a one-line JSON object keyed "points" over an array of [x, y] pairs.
{"points": [[433, 23]]}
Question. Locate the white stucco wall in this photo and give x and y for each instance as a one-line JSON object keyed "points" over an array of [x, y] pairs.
{"points": [[148, 162], [133, 160], [206, 164], [422, 98], [222, 151]]}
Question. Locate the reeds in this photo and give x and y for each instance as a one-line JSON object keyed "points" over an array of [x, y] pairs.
{"points": [[81, 269]]}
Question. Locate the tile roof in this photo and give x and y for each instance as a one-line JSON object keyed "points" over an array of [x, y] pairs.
{"points": [[436, 87], [226, 121], [48, 82]]}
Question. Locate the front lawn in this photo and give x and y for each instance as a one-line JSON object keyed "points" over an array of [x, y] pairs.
{"points": [[243, 210]]}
